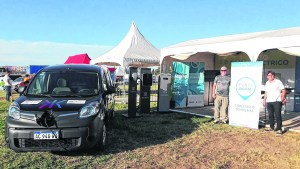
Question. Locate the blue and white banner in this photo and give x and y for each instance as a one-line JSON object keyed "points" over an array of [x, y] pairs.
{"points": [[245, 94], [195, 92], [180, 83], [188, 84]]}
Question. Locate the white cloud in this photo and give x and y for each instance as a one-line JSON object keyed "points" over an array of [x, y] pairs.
{"points": [[22, 53]]}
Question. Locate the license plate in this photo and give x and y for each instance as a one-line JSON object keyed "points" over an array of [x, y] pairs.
{"points": [[48, 135]]}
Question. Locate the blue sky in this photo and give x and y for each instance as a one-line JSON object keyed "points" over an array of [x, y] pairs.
{"points": [[48, 31]]}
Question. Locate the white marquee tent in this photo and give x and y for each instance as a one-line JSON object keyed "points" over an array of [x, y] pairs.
{"points": [[133, 50], [120, 71], [286, 40]]}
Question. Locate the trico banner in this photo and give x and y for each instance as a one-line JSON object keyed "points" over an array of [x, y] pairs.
{"points": [[245, 94]]}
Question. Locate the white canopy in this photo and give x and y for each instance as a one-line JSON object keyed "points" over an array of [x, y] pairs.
{"points": [[287, 40], [133, 50], [120, 71]]}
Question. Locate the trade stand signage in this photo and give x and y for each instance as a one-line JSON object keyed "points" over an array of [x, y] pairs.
{"points": [[188, 84], [195, 91], [180, 83], [245, 94]]}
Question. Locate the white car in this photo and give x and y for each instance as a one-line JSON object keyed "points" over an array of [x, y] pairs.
{"points": [[16, 82]]}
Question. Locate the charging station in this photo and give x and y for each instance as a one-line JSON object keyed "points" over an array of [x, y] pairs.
{"points": [[132, 89], [164, 91], [145, 76], [145, 85]]}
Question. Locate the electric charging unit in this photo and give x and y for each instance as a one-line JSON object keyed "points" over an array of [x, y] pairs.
{"points": [[132, 89], [145, 85], [164, 91]]}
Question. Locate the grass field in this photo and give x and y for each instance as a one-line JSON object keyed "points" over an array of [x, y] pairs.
{"points": [[167, 140]]}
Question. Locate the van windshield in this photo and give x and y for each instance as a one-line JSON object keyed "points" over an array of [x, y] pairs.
{"points": [[65, 83]]}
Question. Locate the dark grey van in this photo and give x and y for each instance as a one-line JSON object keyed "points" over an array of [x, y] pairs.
{"points": [[64, 108]]}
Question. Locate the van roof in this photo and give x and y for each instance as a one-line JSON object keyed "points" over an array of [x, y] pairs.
{"points": [[84, 67]]}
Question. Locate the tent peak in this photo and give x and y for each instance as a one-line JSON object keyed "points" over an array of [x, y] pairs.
{"points": [[134, 29], [133, 49], [133, 23]]}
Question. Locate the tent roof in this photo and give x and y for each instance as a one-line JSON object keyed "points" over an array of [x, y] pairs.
{"points": [[133, 50], [120, 71], [78, 59], [252, 44]]}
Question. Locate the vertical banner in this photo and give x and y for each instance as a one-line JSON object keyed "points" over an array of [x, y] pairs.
{"points": [[245, 94], [195, 91], [180, 83]]}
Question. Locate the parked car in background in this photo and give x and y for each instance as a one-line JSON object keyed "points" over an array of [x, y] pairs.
{"points": [[14, 76], [25, 81], [16, 82], [64, 108]]}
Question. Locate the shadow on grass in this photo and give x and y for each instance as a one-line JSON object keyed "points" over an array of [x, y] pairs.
{"points": [[150, 129]]}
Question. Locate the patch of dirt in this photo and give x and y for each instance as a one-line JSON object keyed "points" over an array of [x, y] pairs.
{"points": [[220, 148]]}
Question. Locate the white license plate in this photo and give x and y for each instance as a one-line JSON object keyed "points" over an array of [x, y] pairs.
{"points": [[48, 135]]}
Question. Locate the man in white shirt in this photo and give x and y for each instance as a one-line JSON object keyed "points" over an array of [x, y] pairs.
{"points": [[7, 85], [275, 97]]}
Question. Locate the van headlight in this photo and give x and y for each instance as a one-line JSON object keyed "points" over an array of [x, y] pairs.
{"points": [[89, 110], [14, 110]]}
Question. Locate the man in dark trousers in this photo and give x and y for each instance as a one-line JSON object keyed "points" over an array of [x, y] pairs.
{"points": [[275, 97]]}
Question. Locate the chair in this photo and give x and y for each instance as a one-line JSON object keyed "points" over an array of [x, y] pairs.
{"points": [[61, 87]]}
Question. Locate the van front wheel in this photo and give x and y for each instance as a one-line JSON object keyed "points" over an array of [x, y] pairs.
{"points": [[102, 132]]}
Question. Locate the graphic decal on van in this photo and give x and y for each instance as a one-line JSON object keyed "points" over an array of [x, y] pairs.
{"points": [[76, 102], [31, 102], [51, 104]]}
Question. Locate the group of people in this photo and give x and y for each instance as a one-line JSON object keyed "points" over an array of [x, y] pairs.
{"points": [[7, 84], [274, 98]]}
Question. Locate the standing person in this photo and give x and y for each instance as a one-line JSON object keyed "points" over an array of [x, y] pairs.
{"points": [[221, 95], [275, 97], [7, 84], [26, 78]]}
